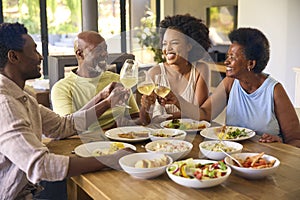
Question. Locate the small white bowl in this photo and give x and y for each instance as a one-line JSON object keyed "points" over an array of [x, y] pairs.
{"points": [[128, 165], [195, 183], [216, 154], [167, 133], [175, 148], [252, 173]]}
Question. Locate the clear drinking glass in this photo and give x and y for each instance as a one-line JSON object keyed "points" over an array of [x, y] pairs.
{"points": [[162, 85], [129, 73], [145, 84], [129, 76]]}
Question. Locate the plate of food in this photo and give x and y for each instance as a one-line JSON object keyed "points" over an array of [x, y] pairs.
{"points": [[100, 148], [167, 133], [185, 124], [129, 133], [232, 133]]}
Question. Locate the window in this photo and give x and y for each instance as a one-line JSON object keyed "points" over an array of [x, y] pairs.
{"points": [[221, 20], [64, 21]]}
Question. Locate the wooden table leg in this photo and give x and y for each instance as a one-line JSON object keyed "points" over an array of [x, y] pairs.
{"points": [[75, 192]]}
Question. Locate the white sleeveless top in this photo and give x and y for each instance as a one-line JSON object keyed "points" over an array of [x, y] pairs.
{"points": [[188, 94]]}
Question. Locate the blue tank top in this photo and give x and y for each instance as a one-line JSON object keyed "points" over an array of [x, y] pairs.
{"points": [[254, 111]]}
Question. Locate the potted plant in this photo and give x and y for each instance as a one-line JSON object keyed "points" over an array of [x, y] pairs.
{"points": [[148, 35]]}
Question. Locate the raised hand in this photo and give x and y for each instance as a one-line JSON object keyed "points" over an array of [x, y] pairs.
{"points": [[105, 92], [169, 99], [118, 96], [148, 100]]}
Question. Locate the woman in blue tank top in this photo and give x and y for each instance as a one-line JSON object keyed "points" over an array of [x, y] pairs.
{"points": [[254, 99]]}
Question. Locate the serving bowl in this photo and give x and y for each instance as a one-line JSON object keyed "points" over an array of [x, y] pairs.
{"points": [[167, 133], [128, 163], [195, 182], [176, 149], [252, 173], [210, 149]]}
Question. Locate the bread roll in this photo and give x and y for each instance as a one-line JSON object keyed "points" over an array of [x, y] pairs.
{"points": [[146, 163]]}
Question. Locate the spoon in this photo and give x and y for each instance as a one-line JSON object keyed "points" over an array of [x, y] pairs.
{"points": [[233, 158]]}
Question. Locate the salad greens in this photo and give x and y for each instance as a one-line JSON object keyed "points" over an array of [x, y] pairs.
{"points": [[232, 133], [191, 169], [178, 124]]}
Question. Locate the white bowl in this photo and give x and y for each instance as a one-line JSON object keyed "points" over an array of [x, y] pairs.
{"points": [[175, 148], [215, 154], [252, 173], [195, 183], [128, 165], [167, 133]]}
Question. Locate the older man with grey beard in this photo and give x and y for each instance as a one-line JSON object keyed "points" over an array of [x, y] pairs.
{"points": [[84, 82]]}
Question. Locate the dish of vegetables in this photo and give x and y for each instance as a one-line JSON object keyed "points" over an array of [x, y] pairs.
{"points": [[232, 133], [185, 124], [198, 173]]}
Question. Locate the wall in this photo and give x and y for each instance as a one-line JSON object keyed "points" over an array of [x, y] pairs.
{"points": [[280, 23], [196, 8]]}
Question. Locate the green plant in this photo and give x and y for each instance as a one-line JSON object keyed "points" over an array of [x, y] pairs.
{"points": [[148, 36], [28, 13]]}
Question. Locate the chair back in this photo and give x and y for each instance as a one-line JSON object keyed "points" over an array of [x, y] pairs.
{"points": [[298, 112]]}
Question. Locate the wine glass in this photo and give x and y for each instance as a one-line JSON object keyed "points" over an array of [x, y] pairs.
{"points": [[129, 76], [129, 73], [162, 85], [145, 84]]}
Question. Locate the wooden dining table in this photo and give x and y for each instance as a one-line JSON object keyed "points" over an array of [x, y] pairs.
{"points": [[117, 184]]}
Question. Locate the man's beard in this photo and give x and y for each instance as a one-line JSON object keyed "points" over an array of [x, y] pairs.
{"points": [[101, 66], [96, 67]]}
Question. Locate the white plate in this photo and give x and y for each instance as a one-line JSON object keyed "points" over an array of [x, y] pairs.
{"points": [[190, 122], [114, 133], [167, 133], [212, 133], [86, 150]]}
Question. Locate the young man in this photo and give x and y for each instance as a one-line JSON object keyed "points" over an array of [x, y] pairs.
{"points": [[24, 160], [82, 84]]}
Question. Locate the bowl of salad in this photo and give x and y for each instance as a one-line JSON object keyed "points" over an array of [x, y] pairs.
{"points": [[212, 149], [198, 173], [176, 149]]}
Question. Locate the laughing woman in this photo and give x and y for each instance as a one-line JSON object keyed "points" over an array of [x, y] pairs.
{"points": [[184, 41], [253, 98]]}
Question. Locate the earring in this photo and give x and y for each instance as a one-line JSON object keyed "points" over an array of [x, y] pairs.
{"points": [[249, 69]]}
